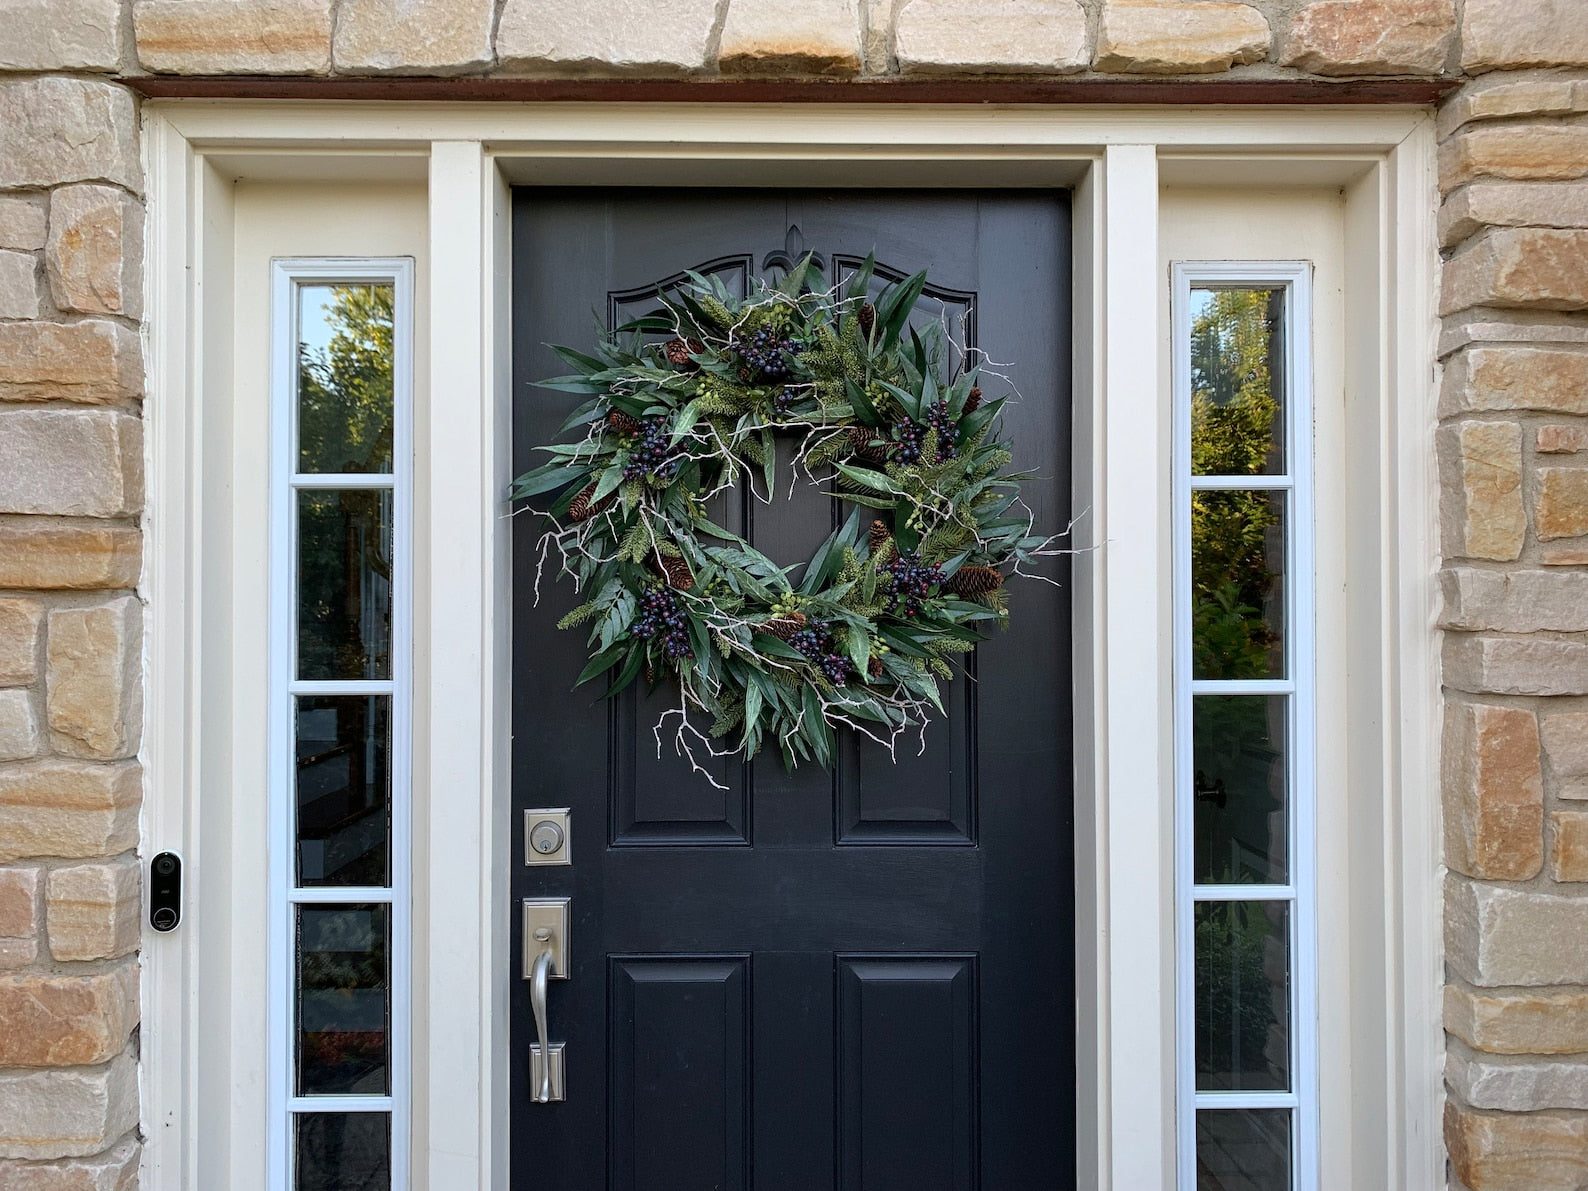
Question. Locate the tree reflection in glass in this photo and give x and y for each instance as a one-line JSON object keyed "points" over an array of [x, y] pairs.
{"points": [[345, 379], [1237, 536]]}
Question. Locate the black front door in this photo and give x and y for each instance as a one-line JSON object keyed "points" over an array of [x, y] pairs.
{"points": [[859, 978]]}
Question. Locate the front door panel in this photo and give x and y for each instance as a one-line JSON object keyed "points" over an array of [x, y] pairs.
{"points": [[857, 979]]}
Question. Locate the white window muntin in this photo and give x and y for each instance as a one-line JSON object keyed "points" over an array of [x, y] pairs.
{"points": [[1297, 683], [285, 894]]}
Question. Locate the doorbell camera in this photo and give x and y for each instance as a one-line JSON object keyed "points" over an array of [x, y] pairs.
{"points": [[165, 891]]}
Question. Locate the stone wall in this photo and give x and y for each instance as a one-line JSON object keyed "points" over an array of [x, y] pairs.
{"points": [[1512, 448]]}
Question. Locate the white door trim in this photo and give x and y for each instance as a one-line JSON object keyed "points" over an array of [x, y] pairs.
{"points": [[1117, 159]]}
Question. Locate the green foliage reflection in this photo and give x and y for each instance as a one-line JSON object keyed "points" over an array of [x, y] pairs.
{"points": [[345, 387], [1235, 430]]}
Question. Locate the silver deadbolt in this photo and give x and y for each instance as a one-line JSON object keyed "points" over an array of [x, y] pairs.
{"points": [[545, 837], [546, 832]]}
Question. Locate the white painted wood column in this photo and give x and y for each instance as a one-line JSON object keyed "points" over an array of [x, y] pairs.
{"points": [[1135, 729], [460, 1109]]}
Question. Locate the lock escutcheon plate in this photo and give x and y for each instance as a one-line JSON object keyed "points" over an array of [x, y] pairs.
{"points": [[559, 817]]}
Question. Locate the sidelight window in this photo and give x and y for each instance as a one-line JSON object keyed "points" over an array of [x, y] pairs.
{"points": [[1245, 915], [340, 566]]}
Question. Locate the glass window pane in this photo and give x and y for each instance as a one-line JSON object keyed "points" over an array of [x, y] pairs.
{"points": [[342, 1151], [344, 583], [344, 789], [345, 378], [1243, 1149], [1242, 996], [344, 1000], [1239, 792], [1237, 382], [1238, 584]]}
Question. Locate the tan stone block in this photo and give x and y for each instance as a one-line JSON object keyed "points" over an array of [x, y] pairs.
{"points": [[75, 462], [1565, 739], [1500, 97], [1494, 792], [1515, 666], [19, 902], [1496, 935], [46, 553], [114, 1170], [19, 288], [649, 36], [75, 809], [1514, 601], [1529, 268], [95, 250], [91, 362], [1485, 379], [1516, 1151], [224, 37], [60, 34], [791, 37], [1568, 847], [1511, 204], [1481, 471], [55, 130], [1562, 509], [1517, 328], [1371, 37], [94, 682], [20, 622], [1505, 34], [413, 36], [1516, 1085], [20, 737], [17, 953], [1560, 440], [991, 37], [67, 1021], [1545, 152], [1179, 36], [22, 223], [1564, 556], [1514, 1023], [67, 1114], [91, 911]]}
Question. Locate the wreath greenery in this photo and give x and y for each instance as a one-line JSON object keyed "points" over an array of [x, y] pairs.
{"points": [[864, 636]]}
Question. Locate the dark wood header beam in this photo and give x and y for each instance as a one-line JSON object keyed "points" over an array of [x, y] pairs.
{"points": [[957, 91]]}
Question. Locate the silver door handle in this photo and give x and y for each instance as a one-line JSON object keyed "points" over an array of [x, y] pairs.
{"points": [[545, 927], [537, 1001]]}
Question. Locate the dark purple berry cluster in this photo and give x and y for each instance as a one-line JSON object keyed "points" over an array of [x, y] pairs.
{"points": [[938, 419], [652, 454], [662, 616], [909, 582], [783, 402], [911, 437], [764, 355], [816, 642]]}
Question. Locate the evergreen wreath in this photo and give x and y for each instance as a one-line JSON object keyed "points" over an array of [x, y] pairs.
{"points": [[868, 631]]}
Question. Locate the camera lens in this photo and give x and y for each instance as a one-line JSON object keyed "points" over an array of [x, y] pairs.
{"points": [[165, 866], [164, 918]]}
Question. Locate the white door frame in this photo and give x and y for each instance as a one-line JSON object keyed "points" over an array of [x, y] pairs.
{"points": [[1117, 158]]}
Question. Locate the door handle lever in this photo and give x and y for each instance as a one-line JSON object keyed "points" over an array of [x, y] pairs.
{"points": [[545, 959]]}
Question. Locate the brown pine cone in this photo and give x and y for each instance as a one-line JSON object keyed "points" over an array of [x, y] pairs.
{"points": [[679, 350], [879, 536], [784, 627], [874, 668], [674, 570], [973, 400], [861, 446], [868, 318], [582, 509], [623, 423], [974, 581]]}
